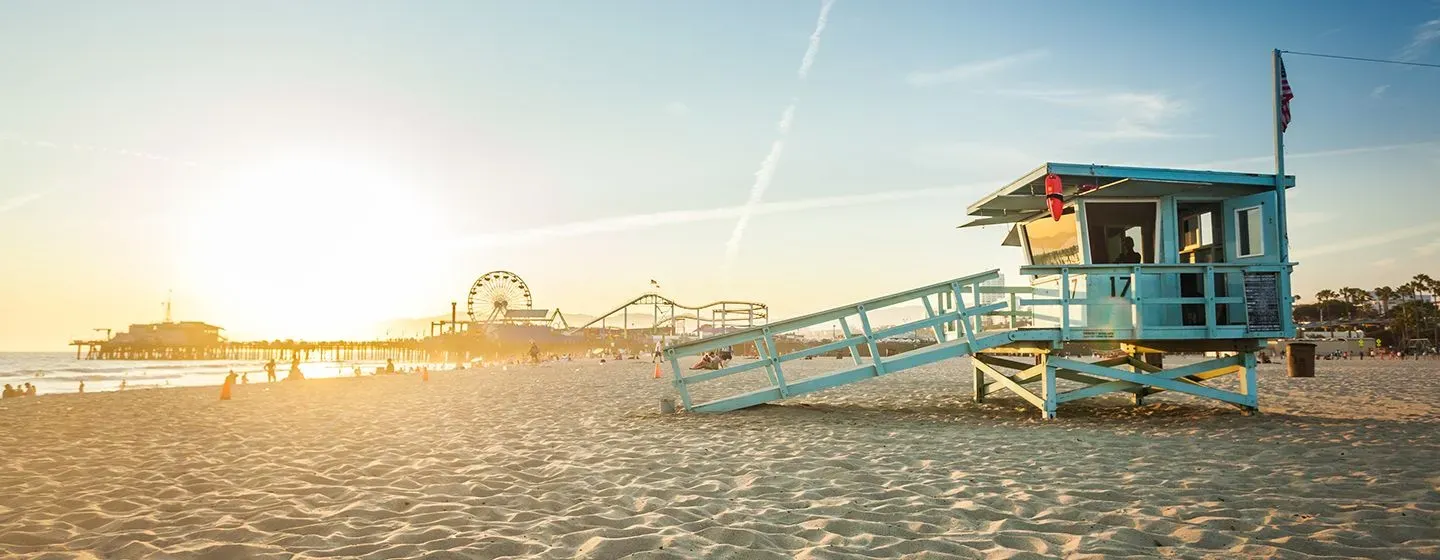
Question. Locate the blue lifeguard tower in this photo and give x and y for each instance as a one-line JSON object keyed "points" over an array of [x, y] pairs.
{"points": [[1146, 261]]}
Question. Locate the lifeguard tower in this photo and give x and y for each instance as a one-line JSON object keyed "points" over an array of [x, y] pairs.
{"points": [[1144, 260]]}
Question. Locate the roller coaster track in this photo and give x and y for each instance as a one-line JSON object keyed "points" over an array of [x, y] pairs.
{"points": [[721, 313]]}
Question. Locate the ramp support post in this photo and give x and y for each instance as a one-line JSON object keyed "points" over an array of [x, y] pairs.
{"points": [[1047, 380]]}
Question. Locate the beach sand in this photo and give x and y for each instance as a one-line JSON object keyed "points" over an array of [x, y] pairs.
{"points": [[574, 460]]}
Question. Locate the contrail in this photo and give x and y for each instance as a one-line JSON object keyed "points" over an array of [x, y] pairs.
{"points": [[78, 147], [656, 219], [18, 201], [772, 160]]}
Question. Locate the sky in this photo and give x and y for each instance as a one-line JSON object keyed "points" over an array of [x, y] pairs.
{"points": [[312, 169]]}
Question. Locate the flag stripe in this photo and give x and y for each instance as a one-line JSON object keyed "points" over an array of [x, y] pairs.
{"points": [[1286, 94]]}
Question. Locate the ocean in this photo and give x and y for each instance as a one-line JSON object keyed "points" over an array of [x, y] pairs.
{"points": [[60, 372]]}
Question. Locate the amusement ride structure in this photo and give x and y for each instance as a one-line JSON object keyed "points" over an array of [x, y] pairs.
{"points": [[669, 318], [503, 298]]}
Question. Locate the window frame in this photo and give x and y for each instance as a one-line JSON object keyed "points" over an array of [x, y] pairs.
{"points": [[1258, 240]]}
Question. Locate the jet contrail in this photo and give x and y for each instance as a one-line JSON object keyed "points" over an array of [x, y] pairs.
{"points": [[772, 160], [644, 221], [655, 219], [18, 201], [78, 147]]}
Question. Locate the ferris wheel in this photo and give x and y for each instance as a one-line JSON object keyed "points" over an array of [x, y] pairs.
{"points": [[496, 293]]}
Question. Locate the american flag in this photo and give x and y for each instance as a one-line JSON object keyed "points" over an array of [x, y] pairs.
{"points": [[1286, 94]]}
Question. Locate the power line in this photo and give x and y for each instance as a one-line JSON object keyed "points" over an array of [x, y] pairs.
{"points": [[1402, 63]]}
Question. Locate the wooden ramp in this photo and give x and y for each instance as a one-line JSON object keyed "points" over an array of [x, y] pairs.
{"points": [[966, 315]]}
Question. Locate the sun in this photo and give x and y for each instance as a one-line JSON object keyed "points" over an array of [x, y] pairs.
{"points": [[314, 248]]}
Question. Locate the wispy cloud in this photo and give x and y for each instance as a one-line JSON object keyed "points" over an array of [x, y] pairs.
{"points": [[972, 70], [1383, 262], [1383, 238], [658, 219], [1428, 248], [18, 201], [1426, 35], [103, 150], [677, 109], [1318, 154], [766, 173], [1130, 115], [1379, 91]]}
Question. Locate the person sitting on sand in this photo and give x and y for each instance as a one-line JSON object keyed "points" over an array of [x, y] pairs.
{"points": [[389, 365], [9, 392], [29, 390], [708, 361]]}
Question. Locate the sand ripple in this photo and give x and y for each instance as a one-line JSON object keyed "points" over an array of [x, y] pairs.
{"points": [[572, 461]]}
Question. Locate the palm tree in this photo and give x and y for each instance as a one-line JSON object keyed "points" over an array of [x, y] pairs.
{"points": [[1324, 297], [1355, 297], [1384, 294]]}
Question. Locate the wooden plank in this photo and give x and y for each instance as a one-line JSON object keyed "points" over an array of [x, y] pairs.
{"points": [[1164, 381], [1014, 387]]}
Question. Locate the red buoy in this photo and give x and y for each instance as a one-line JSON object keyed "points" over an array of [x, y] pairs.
{"points": [[1054, 195]]}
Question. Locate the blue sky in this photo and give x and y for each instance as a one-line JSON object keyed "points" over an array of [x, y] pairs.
{"points": [[303, 169]]}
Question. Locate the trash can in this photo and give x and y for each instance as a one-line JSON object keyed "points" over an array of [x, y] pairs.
{"points": [[1300, 359]]}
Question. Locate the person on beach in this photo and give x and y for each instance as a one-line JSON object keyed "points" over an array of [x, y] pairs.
{"points": [[270, 371], [389, 365], [82, 387], [534, 352], [123, 383], [227, 386], [29, 390], [245, 378], [9, 392], [295, 374]]}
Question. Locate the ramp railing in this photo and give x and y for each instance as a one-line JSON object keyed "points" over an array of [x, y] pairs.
{"points": [[953, 311]]}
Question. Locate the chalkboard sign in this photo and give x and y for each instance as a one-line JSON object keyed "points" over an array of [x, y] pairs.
{"points": [[1262, 302]]}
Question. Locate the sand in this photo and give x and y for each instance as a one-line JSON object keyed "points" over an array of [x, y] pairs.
{"points": [[570, 460]]}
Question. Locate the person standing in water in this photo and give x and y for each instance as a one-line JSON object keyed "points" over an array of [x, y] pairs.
{"points": [[270, 371]]}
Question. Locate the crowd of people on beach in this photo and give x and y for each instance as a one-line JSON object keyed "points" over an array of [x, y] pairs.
{"points": [[26, 390]]}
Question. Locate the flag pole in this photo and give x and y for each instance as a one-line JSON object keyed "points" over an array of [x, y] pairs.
{"points": [[1277, 67]]}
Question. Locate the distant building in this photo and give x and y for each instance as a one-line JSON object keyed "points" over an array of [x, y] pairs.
{"points": [[184, 333]]}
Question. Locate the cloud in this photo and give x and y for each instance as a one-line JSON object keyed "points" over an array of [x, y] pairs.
{"points": [[1383, 262], [1302, 219], [1379, 91], [677, 109], [766, 173], [1319, 154], [972, 70], [1426, 35], [1133, 115], [1383, 238], [18, 201], [1428, 248], [657, 219], [88, 148]]}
